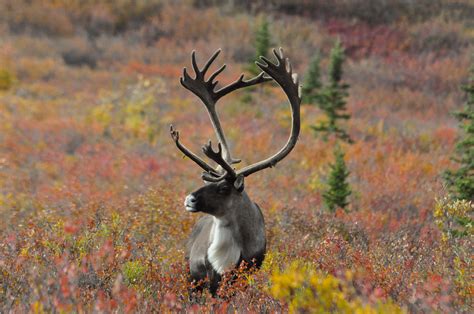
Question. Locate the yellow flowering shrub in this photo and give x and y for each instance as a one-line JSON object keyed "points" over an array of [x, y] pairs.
{"points": [[7, 79], [307, 290], [454, 219]]}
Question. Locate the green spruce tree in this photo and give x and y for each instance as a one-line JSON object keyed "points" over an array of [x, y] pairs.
{"points": [[312, 83], [336, 196], [262, 45], [461, 181], [332, 98]]}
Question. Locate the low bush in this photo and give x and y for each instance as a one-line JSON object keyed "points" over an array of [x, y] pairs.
{"points": [[80, 58], [7, 79], [310, 291]]}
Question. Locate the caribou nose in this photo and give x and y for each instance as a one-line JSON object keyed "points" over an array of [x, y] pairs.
{"points": [[190, 199], [190, 203]]}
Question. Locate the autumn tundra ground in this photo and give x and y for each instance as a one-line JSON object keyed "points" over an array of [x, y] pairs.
{"points": [[92, 186]]}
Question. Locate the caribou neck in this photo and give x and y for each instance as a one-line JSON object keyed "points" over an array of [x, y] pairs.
{"points": [[224, 251], [238, 234]]}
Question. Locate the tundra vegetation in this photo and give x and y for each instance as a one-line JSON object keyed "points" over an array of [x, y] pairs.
{"points": [[91, 188], [331, 100], [262, 44]]}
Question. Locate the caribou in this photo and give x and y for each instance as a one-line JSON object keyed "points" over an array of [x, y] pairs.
{"points": [[233, 231]]}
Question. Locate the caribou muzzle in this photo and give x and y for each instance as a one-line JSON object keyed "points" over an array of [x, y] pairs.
{"points": [[191, 203]]}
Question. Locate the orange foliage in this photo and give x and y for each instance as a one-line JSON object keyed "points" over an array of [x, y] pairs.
{"points": [[91, 186], [166, 70]]}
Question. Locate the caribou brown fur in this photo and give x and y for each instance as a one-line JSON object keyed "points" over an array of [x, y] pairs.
{"points": [[233, 228]]}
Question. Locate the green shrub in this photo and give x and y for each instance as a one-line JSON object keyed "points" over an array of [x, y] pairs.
{"points": [[312, 82], [461, 180], [331, 98], [262, 45], [133, 272], [338, 189], [454, 218], [7, 79]]}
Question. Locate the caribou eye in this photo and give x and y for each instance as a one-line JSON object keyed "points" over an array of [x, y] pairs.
{"points": [[224, 189]]}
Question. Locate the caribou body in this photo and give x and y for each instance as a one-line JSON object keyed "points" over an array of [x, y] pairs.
{"points": [[233, 229]]}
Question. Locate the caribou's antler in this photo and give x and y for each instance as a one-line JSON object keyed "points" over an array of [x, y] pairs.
{"points": [[205, 91], [201, 163], [281, 72], [218, 158]]}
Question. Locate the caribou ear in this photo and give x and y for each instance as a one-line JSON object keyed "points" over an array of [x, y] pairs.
{"points": [[239, 183]]}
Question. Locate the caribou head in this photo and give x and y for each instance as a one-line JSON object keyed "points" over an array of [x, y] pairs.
{"points": [[234, 230]]}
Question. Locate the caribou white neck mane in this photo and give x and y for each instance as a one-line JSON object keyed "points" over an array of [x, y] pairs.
{"points": [[224, 251]]}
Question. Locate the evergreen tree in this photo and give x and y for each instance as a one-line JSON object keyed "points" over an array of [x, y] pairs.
{"points": [[338, 189], [262, 45], [332, 98], [461, 181], [312, 84]]}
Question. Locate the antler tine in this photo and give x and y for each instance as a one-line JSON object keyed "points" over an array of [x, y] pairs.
{"points": [[215, 74], [184, 77], [280, 71], [206, 176], [201, 163], [266, 62], [205, 91], [240, 83], [210, 61], [278, 54], [194, 63], [218, 158], [201, 73]]}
